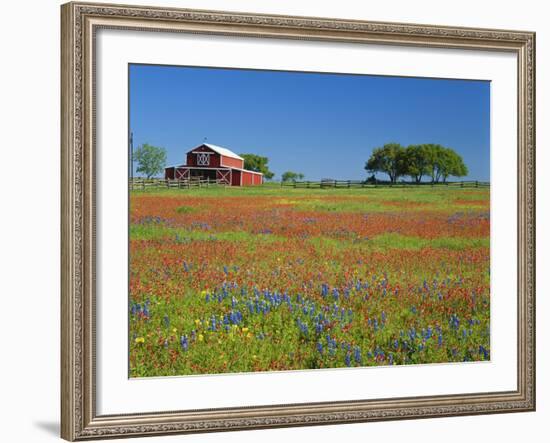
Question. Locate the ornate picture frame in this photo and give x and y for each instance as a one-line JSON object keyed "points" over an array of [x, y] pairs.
{"points": [[80, 22]]}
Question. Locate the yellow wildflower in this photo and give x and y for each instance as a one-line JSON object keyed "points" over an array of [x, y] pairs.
{"points": [[201, 337], [245, 330], [140, 340]]}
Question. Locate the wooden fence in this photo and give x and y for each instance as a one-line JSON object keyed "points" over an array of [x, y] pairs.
{"points": [[363, 184], [156, 183]]}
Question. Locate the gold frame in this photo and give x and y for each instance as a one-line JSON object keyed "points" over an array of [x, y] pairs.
{"points": [[79, 22]]}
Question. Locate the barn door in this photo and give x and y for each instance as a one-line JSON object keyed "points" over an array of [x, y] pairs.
{"points": [[223, 176], [182, 174]]}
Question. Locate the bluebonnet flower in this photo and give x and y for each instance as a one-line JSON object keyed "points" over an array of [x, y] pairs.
{"points": [[166, 321], [484, 351], [357, 355], [320, 347], [347, 360], [454, 322], [184, 342]]}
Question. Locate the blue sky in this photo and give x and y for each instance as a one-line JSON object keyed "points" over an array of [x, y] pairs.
{"points": [[323, 125]]}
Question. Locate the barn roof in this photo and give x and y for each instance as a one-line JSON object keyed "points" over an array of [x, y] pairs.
{"points": [[222, 151]]}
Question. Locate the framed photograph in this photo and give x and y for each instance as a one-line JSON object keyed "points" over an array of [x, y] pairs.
{"points": [[277, 221]]}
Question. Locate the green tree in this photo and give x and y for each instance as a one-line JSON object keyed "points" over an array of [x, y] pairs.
{"points": [[435, 155], [292, 176], [389, 159], [453, 165], [417, 162], [444, 162], [257, 163], [150, 159]]}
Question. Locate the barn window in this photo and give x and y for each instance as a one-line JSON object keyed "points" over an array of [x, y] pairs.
{"points": [[203, 159]]}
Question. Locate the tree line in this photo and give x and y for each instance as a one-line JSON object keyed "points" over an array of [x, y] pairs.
{"points": [[416, 161]]}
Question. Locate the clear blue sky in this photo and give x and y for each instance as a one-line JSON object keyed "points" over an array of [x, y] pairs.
{"points": [[323, 125]]}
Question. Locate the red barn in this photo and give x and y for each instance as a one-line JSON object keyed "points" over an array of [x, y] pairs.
{"points": [[215, 163]]}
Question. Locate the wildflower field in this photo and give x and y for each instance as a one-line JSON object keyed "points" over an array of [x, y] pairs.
{"points": [[269, 278]]}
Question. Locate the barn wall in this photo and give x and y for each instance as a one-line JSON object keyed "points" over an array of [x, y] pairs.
{"points": [[235, 178], [248, 179], [232, 162], [169, 173], [214, 157]]}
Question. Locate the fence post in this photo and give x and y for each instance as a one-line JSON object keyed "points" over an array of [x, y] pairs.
{"points": [[476, 184]]}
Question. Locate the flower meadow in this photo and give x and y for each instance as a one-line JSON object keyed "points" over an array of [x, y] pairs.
{"points": [[268, 278]]}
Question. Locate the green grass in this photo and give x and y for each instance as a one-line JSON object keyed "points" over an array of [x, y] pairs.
{"points": [[153, 231], [419, 193], [381, 242], [185, 210]]}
